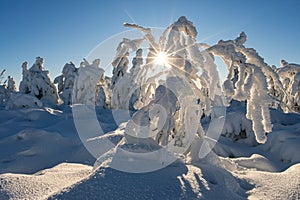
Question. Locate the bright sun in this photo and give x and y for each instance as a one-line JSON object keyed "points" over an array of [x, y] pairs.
{"points": [[161, 58]]}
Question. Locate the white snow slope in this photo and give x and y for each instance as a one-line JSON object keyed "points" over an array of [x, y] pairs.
{"points": [[39, 149]]}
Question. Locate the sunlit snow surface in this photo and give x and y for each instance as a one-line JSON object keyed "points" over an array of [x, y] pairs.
{"points": [[38, 149]]}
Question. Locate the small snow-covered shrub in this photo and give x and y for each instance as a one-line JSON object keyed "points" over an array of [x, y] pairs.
{"points": [[19, 100]]}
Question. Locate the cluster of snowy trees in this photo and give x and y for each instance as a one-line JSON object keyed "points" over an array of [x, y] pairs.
{"points": [[249, 80]]}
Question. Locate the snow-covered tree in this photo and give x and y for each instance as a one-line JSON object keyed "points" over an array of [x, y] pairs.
{"points": [[250, 81], [11, 84], [290, 75], [121, 79], [173, 99], [121, 61], [103, 93], [137, 62], [66, 82], [2, 77], [36, 81], [3, 90], [85, 86], [7, 87]]}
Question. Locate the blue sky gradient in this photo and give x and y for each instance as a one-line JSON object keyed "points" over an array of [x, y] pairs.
{"points": [[67, 30]]}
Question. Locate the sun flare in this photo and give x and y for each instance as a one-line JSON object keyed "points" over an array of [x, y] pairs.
{"points": [[161, 58]]}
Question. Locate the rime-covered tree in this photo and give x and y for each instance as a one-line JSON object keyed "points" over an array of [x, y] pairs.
{"points": [[11, 84], [85, 86], [172, 89], [36, 81], [66, 81], [251, 81], [3, 91], [121, 78], [7, 87], [290, 76]]}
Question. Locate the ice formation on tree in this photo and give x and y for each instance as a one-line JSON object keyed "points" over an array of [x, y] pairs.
{"points": [[168, 119], [24, 86], [137, 62], [7, 88], [3, 90], [36, 81], [178, 41], [89, 75], [121, 77], [103, 92], [290, 75], [14, 99], [251, 81], [3, 94], [184, 61], [120, 68], [121, 61], [11, 84], [101, 95], [66, 82]]}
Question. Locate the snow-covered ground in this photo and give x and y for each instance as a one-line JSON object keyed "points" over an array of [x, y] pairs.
{"points": [[43, 183], [41, 157]]}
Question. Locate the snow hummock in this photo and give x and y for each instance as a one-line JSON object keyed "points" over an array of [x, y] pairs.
{"points": [[19, 100], [42, 184]]}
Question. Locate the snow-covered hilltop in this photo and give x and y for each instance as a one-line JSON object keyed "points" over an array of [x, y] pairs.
{"points": [[164, 110]]}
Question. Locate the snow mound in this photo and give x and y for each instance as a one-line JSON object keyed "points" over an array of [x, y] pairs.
{"points": [[34, 139], [257, 162], [32, 146], [284, 185], [285, 144], [177, 181], [43, 183], [19, 100], [237, 126]]}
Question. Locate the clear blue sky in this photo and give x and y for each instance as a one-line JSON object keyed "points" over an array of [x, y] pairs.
{"points": [[67, 30]]}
